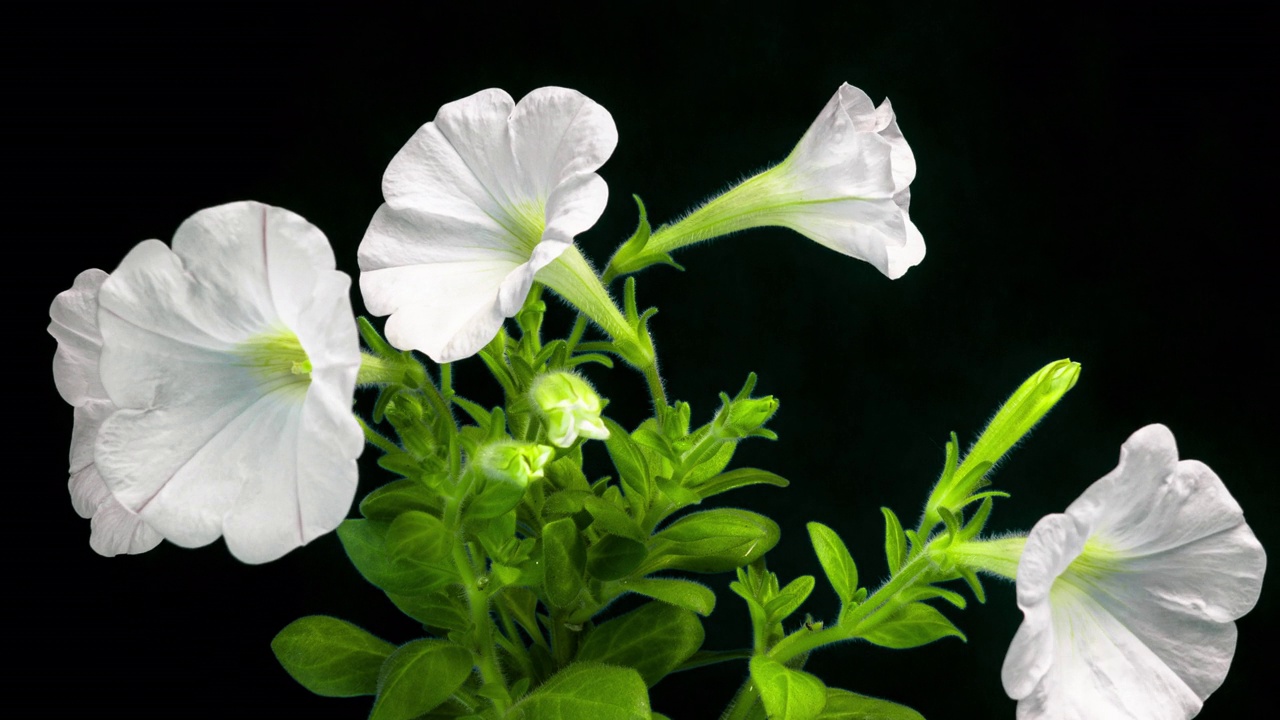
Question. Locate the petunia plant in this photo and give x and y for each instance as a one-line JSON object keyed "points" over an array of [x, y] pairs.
{"points": [[213, 381]]}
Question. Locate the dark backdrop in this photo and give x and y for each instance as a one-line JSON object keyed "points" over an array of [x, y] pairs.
{"points": [[1092, 184]]}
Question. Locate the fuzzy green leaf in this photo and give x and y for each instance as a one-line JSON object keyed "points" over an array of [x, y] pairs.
{"points": [[787, 694], [911, 626], [836, 561], [895, 541], [404, 693], [712, 541], [331, 657], [654, 639], [844, 705], [586, 690], [564, 561]]}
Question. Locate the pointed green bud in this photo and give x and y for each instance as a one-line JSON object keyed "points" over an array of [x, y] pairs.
{"points": [[1028, 404], [1022, 411], [569, 407], [745, 416]]}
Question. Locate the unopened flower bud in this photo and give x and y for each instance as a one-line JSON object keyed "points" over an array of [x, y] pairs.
{"points": [[569, 407], [506, 469]]}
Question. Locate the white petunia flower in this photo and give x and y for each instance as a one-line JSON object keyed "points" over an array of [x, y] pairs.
{"points": [[232, 359], [114, 530], [845, 186], [477, 202], [1130, 596]]}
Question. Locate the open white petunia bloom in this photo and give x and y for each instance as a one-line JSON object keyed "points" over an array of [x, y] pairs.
{"points": [[114, 530], [845, 186], [1130, 595], [477, 202], [232, 360]]}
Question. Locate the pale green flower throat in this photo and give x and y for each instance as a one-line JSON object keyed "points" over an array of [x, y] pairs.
{"points": [[276, 357]]}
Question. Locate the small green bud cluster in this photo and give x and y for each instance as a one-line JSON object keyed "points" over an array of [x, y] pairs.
{"points": [[570, 408]]}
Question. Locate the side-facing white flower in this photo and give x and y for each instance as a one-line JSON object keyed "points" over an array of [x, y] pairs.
{"points": [[232, 359], [114, 530], [1130, 596], [845, 186], [477, 202]]}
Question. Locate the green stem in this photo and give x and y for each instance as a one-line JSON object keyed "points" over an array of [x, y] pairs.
{"points": [[478, 600], [376, 370], [655, 388], [803, 640], [562, 641], [998, 557]]}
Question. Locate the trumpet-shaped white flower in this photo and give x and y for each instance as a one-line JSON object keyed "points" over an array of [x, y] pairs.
{"points": [[114, 530], [231, 360], [1130, 596], [845, 186], [477, 202]]}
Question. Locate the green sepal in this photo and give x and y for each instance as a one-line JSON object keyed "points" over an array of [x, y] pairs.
{"points": [[402, 693], [586, 690], [331, 657], [895, 541], [734, 479], [399, 496], [787, 694], [681, 593], [789, 599], [654, 639], [365, 542], [712, 541], [929, 592], [911, 626], [612, 519], [836, 561], [614, 557], [564, 561], [845, 705], [974, 583]]}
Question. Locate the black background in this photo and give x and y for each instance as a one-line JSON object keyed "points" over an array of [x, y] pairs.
{"points": [[1092, 184]]}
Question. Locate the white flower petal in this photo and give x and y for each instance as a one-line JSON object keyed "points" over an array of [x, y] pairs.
{"points": [[1130, 595], [1100, 671], [477, 202], [1053, 544], [115, 530], [74, 316], [217, 433]]}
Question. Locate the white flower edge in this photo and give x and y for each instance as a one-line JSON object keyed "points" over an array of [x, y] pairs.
{"points": [[1130, 596], [477, 202], [114, 530], [850, 174], [220, 431]]}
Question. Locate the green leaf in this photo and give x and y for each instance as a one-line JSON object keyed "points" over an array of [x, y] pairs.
{"points": [[789, 599], [787, 694], [586, 690], [399, 496], [836, 561], [911, 626], [564, 561], [654, 639], [418, 677], [712, 541], [895, 541], [365, 542], [613, 557], [844, 705], [436, 610], [628, 459], [681, 593], [332, 657], [711, 465], [735, 479], [419, 536]]}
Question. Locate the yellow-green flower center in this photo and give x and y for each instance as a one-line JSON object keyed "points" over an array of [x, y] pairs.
{"points": [[276, 357]]}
